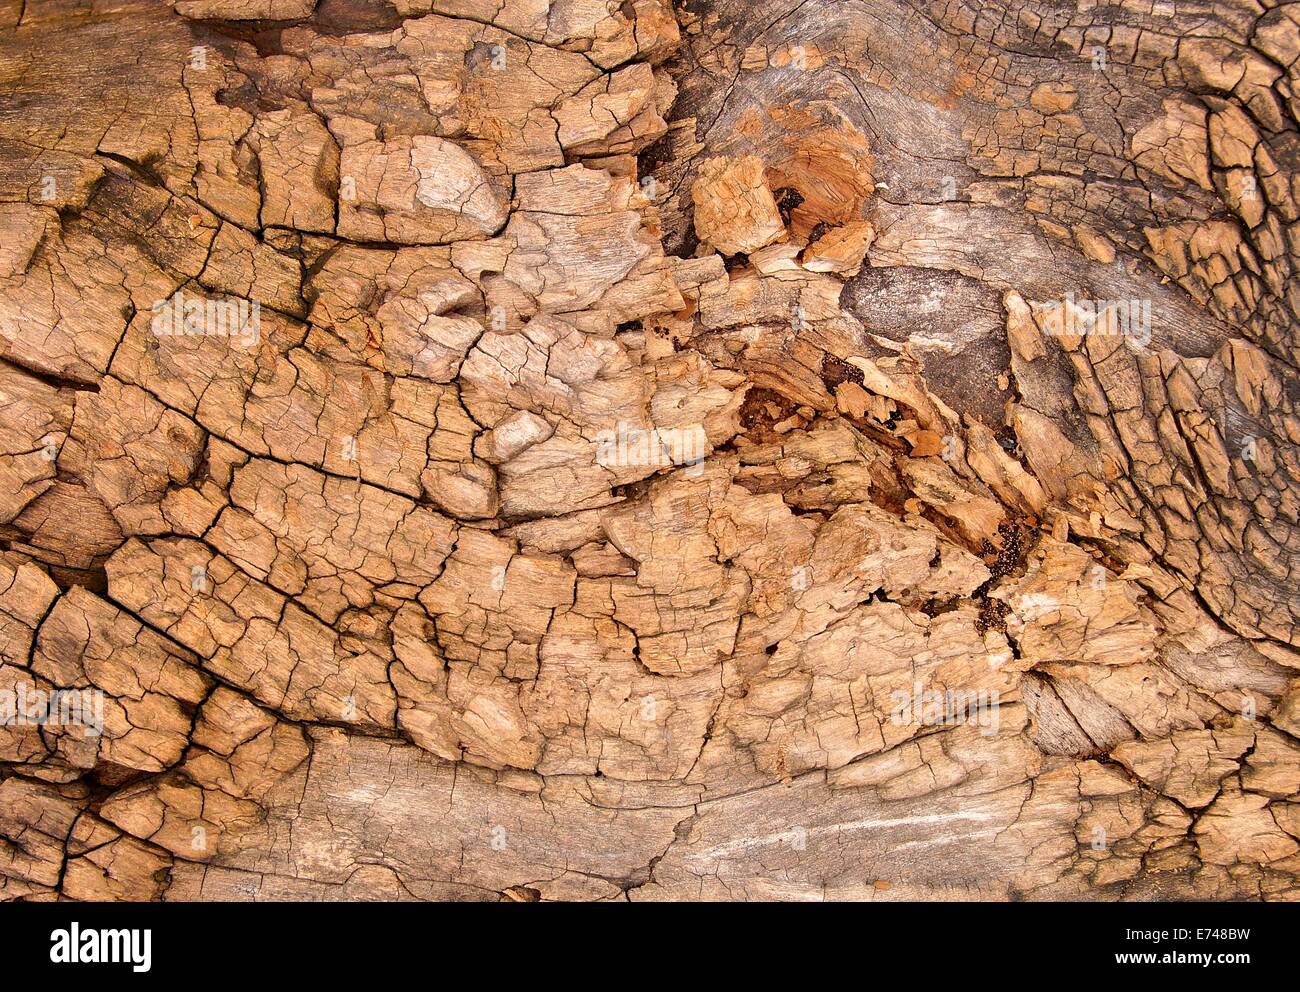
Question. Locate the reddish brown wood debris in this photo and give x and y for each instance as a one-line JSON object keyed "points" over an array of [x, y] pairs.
{"points": [[605, 450]]}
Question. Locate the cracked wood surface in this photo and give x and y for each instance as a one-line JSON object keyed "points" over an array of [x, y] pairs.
{"points": [[676, 452]]}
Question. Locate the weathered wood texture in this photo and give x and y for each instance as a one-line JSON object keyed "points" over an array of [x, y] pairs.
{"points": [[673, 454]]}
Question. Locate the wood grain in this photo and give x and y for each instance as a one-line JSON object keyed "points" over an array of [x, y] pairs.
{"points": [[620, 451]]}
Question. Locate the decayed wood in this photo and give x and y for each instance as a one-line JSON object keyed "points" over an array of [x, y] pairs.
{"points": [[465, 450]]}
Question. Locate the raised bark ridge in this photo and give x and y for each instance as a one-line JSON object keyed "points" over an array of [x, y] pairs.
{"points": [[675, 453]]}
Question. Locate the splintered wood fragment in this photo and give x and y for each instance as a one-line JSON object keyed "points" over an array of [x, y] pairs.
{"points": [[734, 209]]}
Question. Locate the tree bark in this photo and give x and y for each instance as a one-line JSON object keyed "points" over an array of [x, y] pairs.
{"points": [[538, 450]]}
